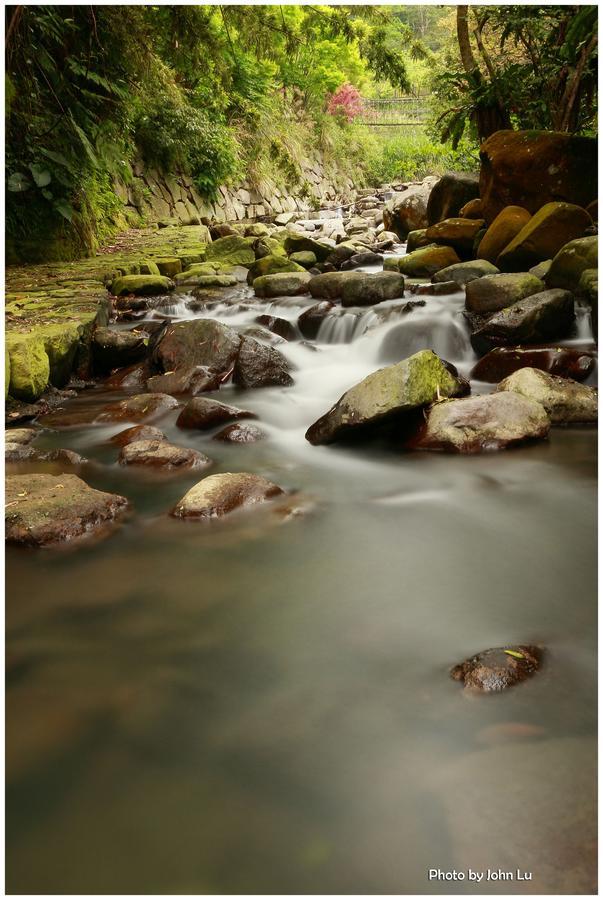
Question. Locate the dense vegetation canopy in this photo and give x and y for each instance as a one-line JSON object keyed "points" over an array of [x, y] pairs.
{"points": [[231, 92]]}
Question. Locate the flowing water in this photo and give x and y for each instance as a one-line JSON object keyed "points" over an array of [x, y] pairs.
{"points": [[247, 706]]}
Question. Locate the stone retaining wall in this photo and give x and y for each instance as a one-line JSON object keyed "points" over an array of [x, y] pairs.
{"points": [[174, 199]]}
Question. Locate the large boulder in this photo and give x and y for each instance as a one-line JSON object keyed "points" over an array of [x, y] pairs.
{"points": [[416, 239], [42, 510], [532, 168], [462, 273], [217, 495], [366, 289], [483, 423], [507, 225], [571, 261], [543, 236], [295, 243], [450, 194], [545, 316], [565, 400], [282, 284], [387, 394], [407, 211], [260, 366], [422, 263], [113, 349], [199, 342], [457, 233], [141, 285], [203, 413], [328, 285], [160, 454], [494, 292], [566, 362], [186, 380], [499, 668], [233, 250]]}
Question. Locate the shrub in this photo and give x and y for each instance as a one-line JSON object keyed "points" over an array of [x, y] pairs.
{"points": [[346, 102]]}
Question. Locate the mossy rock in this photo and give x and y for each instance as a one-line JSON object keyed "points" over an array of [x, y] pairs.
{"points": [[148, 267], [190, 279], [294, 243], [169, 265], [269, 246], [232, 249], [141, 285], [553, 226], [571, 261], [29, 366], [271, 265], [416, 239], [6, 373], [305, 258], [61, 344], [423, 263]]}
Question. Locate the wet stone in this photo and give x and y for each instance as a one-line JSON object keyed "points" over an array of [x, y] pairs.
{"points": [[139, 408], [163, 455], [203, 414], [240, 433], [219, 495], [499, 668], [137, 433]]}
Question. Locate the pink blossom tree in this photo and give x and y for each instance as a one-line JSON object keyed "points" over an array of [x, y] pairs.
{"points": [[346, 102]]}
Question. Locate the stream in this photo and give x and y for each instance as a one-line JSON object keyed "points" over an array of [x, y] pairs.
{"points": [[244, 707]]}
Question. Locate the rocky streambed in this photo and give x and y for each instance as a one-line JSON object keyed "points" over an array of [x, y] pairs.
{"points": [[241, 681]]}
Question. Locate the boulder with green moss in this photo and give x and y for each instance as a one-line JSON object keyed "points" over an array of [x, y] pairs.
{"points": [[271, 265], [29, 366], [494, 292], [232, 249], [281, 284], [571, 261], [543, 236], [141, 285], [169, 265], [295, 243], [422, 263], [388, 394], [305, 258]]}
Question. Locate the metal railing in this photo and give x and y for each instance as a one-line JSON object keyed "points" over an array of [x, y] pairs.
{"points": [[394, 112]]}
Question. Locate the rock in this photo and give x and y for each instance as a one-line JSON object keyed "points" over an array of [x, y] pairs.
{"points": [[218, 495], [506, 226], [272, 265], [543, 236], [436, 289], [541, 270], [281, 284], [329, 285], [499, 668], [42, 510], [240, 433], [565, 400], [387, 394], [464, 272], [423, 263], [131, 377], [571, 261], [193, 278], [367, 258], [161, 454], [311, 319], [139, 408], [480, 424], [29, 366], [417, 239], [283, 327], [456, 233], [532, 168], [169, 265], [563, 361], [588, 289], [366, 289], [268, 246], [203, 413], [548, 315], [199, 342], [189, 380], [20, 435], [258, 229], [296, 243], [233, 250], [407, 211], [260, 366], [450, 194], [113, 349], [472, 210], [495, 292], [15, 453], [141, 285], [137, 433], [304, 258], [593, 210]]}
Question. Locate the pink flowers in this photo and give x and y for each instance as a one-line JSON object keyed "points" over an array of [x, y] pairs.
{"points": [[346, 101]]}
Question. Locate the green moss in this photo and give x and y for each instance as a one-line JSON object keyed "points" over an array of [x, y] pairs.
{"points": [[270, 265], [29, 366], [141, 285]]}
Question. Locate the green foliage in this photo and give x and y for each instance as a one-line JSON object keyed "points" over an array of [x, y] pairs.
{"points": [[412, 155]]}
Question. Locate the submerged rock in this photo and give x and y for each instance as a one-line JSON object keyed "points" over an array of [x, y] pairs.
{"points": [[311, 319], [282, 327], [218, 495], [260, 366], [16, 453], [139, 408], [565, 400], [387, 394], [498, 668], [161, 454], [42, 510], [20, 435], [481, 424], [563, 361], [203, 413], [188, 380], [240, 433], [138, 433]]}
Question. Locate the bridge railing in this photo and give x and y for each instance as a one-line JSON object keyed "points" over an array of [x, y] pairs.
{"points": [[395, 111]]}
